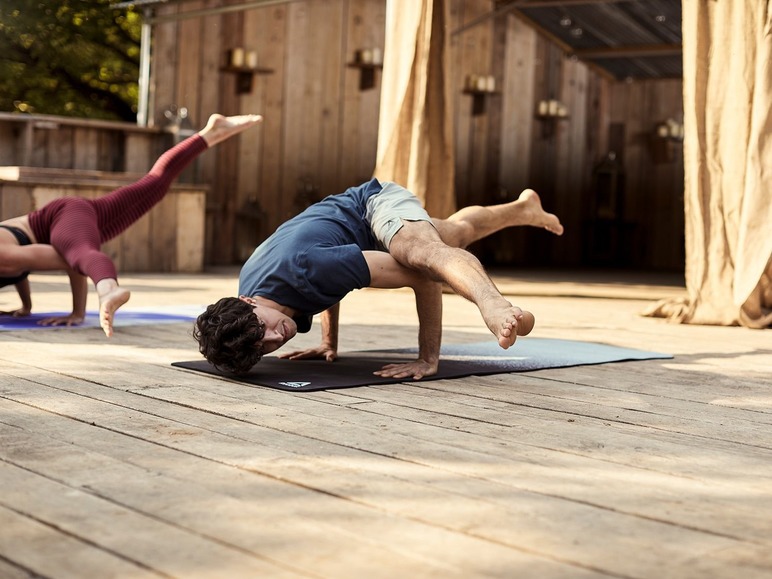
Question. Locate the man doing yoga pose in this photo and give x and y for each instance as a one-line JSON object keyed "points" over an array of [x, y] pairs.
{"points": [[374, 235], [66, 234]]}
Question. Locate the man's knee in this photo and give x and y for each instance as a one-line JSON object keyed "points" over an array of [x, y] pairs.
{"points": [[419, 254]]}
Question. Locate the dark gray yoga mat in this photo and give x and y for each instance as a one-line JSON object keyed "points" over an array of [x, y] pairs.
{"points": [[458, 360]]}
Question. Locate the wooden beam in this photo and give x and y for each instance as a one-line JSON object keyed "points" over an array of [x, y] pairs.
{"points": [[632, 51], [559, 3], [521, 4]]}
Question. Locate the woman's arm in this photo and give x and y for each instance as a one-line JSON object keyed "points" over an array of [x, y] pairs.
{"points": [[25, 295], [16, 259], [79, 287]]}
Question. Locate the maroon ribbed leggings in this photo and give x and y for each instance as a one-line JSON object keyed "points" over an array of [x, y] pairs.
{"points": [[77, 227]]}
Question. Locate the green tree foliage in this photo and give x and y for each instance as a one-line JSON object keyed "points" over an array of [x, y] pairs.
{"points": [[69, 57]]}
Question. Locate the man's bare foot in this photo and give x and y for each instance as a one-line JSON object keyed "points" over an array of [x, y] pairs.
{"points": [[220, 127], [507, 322], [111, 297], [536, 214]]}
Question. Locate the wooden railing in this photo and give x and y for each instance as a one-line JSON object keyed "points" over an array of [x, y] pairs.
{"points": [[73, 143], [44, 157]]}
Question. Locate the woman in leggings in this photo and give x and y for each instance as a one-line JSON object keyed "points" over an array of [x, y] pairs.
{"points": [[67, 233]]}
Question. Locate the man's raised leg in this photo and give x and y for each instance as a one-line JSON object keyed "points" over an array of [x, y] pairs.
{"points": [[473, 223], [418, 245]]}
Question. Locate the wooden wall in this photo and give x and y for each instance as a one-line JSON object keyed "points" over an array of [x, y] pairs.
{"points": [[320, 130], [654, 169], [508, 148], [319, 134]]}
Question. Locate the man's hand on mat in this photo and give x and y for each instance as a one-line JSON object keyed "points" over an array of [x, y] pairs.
{"points": [[417, 369], [70, 320], [320, 352], [20, 313]]}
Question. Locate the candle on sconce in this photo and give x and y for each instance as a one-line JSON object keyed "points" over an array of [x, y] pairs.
{"points": [[562, 110], [552, 108], [377, 55], [490, 83], [543, 108], [482, 83], [366, 56], [252, 59], [237, 57]]}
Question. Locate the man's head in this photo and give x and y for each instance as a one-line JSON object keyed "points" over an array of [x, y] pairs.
{"points": [[233, 335]]}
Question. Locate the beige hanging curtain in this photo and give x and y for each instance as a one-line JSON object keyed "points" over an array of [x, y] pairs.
{"points": [[727, 48], [415, 146]]}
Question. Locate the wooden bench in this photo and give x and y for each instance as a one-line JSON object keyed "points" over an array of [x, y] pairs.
{"points": [[169, 238]]}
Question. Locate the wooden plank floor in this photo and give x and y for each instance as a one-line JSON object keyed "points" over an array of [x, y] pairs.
{"points": [[115, 464]]}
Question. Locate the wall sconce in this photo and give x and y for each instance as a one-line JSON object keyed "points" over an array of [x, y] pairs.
{"points": [[552, 109], [550, 112], [367, 60], [373, 56], [240, 58], [670, 130], [665, 140], [243, 63], [480, 87], [475, 83]]}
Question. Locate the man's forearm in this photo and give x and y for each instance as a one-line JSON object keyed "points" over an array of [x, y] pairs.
{"points": [[329, 319], [429, 307]]}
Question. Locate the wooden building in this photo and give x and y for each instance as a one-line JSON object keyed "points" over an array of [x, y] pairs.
{"points": [[600, 164]]}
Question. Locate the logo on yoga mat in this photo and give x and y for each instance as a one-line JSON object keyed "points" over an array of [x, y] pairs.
{"points": [[294, 384]]}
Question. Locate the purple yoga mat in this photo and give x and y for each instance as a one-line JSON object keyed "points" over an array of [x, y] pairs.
{"points": [[123, 317]]}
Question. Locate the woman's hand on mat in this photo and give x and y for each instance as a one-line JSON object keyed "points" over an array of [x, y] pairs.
{"points": [[20, 313], [70, 320], [417, 369], [320, 352]]}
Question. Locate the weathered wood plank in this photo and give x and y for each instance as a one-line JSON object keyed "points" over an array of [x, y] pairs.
{"points": [[253, 517], [43, 550], [164, 93], [365, 28], [111, 529], [644, 468], [751, 524], [10, 570], [518, 105], [275, 207], [190, 211]]}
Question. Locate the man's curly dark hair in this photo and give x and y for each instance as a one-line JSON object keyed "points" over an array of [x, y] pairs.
{"points": [[227, 333]]}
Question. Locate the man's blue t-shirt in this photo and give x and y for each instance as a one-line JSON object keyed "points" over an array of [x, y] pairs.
{"points": [[313, 260]]}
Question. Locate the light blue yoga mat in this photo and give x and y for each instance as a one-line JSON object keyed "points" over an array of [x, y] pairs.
{"points": [[457, 361]]}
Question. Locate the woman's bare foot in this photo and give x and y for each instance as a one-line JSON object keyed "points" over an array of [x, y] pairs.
{"points": [[507, 322], [536, 215], [111, 297], [220, 127]]}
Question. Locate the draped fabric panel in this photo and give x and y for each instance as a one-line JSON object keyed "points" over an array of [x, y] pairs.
{"points": [[727, 51], [415, 133]]}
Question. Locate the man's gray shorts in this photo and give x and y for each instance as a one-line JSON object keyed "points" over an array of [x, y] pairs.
{"points": [[387, 210]]}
